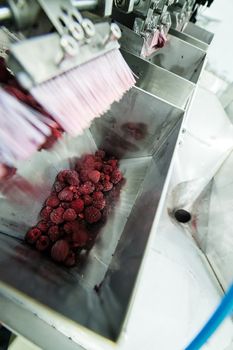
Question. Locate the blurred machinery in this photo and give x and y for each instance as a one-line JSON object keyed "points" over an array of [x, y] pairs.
{"points": [[41, 40]]}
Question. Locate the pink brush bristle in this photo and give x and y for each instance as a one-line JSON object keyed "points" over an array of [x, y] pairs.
{"points": [[22, 130], [78, 96]]}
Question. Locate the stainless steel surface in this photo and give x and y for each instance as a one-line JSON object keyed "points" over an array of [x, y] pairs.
{"points": [[24, 12], [189, 39], [121, 241], [36, 60], [199, 33], [177, 56], [180, 58], [159, 81]]}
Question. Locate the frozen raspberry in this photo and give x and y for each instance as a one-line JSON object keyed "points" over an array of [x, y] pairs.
{"points": [[99, 187], [60, 250], [92, 214], [77, 195], [65, 205], [87, 200], [102, 176], [69, 215], [74, 189], [72, 178], [89, 161], [113, 163], [100, 153], [107, 186], [57, 215], [98, 166], [107, 169], [99, 203], [42, 243], [70, 260], [54, 233], [87, 188], [97, 195], [79, 238], [53, 201], [62, 175], [116, 176], [58, 186], [84, 175], [45, 212], [94, 176], [68, 227], [81, 216], [43, 226], [77, 205], [107, 177], [32, 235], [66, 195]]}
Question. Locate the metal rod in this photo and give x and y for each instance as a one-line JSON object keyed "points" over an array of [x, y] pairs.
{"points": [[85, 4], [5, 13]]}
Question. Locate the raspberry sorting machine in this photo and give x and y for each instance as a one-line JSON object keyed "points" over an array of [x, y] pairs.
{"points": [[89, 307]]}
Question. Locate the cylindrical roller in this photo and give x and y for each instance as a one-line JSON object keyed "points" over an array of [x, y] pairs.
{"points": [[85, 4], [5, 13]]}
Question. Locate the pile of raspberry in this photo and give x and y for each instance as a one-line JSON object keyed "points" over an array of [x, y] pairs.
{"points": [[77, 202]]}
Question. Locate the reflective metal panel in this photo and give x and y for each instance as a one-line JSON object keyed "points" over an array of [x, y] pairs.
{"points": [[142, 130]]}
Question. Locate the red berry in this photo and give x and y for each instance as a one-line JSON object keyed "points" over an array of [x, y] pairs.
{"points": [[43, 226], [77, 195], [69, 215], [107, 177], [97, 195], [42, 243], [45, 212], [92, 214], [94, 176], [99, 203], [54, 233], [87, 188], [66, 195], [58, 186], [70, 260], [98, 166], [57, 216], [60, 250], [32, 235], [113, 163], [107, 169], [87, 200], [65, 205], [72, 178], [77, 205], [100, 153], [68, 227], [84, 175], [116, 176], [53, 201], [62, 175], [89, 161], [79, 238], [99, 187], [74, 189], [102, 176], [107, 186]]}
